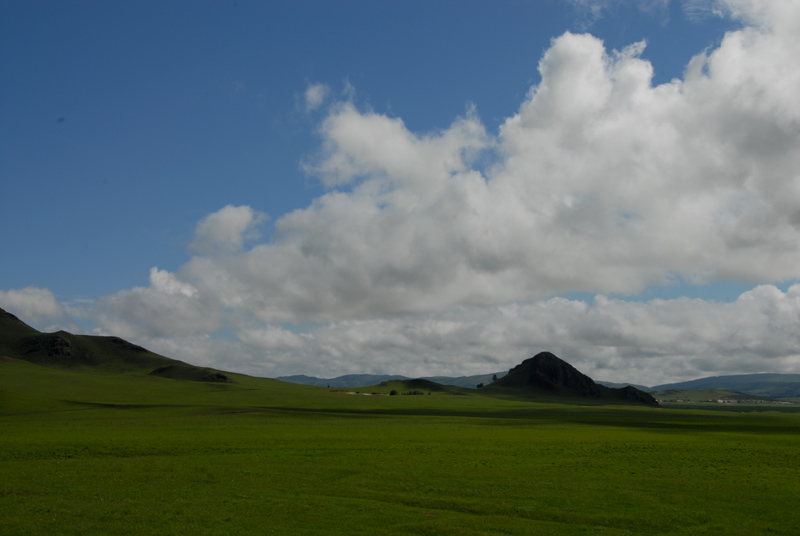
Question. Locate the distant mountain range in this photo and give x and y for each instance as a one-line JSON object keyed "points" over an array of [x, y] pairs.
{"points": [[770, 385], [363, 380]]}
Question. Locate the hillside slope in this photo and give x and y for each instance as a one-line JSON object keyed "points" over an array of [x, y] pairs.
{"points": [[91, 353]]}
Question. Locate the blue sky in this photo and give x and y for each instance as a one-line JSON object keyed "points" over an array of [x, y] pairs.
{"points": [[408, 187]]}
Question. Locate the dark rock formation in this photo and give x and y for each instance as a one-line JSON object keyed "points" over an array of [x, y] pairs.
{"points": [[547, 374], [547, 371]]}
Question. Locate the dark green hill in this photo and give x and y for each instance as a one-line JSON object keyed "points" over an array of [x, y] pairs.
{"points": [[545, 375], [90, 353]]}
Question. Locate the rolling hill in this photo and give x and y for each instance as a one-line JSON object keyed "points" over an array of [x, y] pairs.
{"points": [[92, 354]]}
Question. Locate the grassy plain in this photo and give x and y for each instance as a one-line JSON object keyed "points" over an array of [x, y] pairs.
{"points": [[84, 454], [710, 396]]}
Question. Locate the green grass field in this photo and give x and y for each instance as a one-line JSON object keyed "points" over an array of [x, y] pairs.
{"points": [[133, 454]]}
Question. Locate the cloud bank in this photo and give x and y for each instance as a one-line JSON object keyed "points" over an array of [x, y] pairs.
{"points": [[440, 252], [651, 342], [600, 183]]}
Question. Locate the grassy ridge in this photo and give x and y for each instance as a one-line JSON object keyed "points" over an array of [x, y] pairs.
{"points": [[136, 454]]}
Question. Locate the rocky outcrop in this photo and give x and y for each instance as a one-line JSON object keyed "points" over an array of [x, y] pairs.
{"points": [[545, 373]]}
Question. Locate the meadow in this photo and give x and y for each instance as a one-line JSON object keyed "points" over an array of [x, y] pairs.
{"points": [[129, 454]]}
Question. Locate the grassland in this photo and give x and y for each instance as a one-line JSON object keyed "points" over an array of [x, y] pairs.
{"points": [[712, 396], [134, 454]]}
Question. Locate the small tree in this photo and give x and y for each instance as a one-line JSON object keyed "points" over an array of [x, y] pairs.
{"points": [[392, 393], [480, 385], [494, 378]]}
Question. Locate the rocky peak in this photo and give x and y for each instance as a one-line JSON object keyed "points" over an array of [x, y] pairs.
{"points": [[547, 371]]}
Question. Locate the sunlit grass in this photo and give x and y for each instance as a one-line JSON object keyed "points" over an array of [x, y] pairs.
{"points": [[263, 457]]}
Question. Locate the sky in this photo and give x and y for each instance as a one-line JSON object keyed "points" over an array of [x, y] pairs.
{"points": [[408, 187]]}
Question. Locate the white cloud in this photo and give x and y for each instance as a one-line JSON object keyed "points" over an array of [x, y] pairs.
{"points": [[272, 338], [646, 342], [169, 307], [226, 230], [591, 11], [164, 282], [38, 306], [699, 10], [205, 351], [650, 342], [601, 182], [315, 95]]}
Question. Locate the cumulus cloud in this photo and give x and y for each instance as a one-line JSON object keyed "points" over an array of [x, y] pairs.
{"points": [[163, 282], [227, 229], [601, 183], [644, 342], [169, 307], [647, 342], [38, 306]]}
